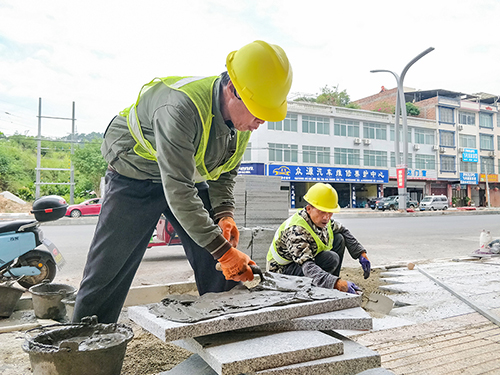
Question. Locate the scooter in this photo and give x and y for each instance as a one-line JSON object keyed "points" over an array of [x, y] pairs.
{"points": [[20, 258]]}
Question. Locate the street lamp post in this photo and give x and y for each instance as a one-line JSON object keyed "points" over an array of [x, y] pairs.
{"points": [[402, 165]]}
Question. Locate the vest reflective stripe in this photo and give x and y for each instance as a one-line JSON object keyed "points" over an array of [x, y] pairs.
{"points": [[185, 81], [202, 99], [298, 220]]}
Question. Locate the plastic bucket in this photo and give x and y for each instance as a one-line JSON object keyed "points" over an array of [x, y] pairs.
{"points": [[78, 349], [47, 300], [8, 299]]}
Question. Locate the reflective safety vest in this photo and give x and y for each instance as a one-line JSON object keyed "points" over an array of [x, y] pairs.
{"points": [[199, 90], [299, 221]]}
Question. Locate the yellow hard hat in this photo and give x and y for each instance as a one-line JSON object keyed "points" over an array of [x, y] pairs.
{"points": [[262, 76], [323, 197]]}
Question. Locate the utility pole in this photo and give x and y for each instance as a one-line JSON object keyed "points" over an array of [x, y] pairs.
{"points": [[39, 168], [485, 167], [402, 165]]}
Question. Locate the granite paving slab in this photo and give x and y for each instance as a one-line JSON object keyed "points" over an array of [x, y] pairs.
{"points": [[232, 353], [194, 365], [355, 318], [355, 360], [168, 330], [377, 371]]}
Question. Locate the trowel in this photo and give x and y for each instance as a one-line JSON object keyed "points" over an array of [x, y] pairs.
{"points": [[379, 303], [255, 270]]}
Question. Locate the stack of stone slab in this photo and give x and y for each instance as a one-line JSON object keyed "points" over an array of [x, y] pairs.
{"points": [[260, 202], [292, 339], [261, 207]]}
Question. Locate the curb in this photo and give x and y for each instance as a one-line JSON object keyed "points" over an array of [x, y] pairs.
{"points": [[346, 213]]}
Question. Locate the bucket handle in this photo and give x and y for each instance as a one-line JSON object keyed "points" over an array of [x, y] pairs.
{"points": [[85, 321], [72, 346]]}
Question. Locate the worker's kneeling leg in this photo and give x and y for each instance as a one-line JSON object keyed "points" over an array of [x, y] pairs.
{"points": [[327, 260]]}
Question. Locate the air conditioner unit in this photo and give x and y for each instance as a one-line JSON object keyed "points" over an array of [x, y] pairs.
{"points": [[460, 127], [416, 147], [367, 141], [442, 150], [357, 141], [435, 148], [491, 153]]}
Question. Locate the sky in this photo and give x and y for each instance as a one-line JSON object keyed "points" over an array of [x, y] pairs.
{"points": [[98, 54]]}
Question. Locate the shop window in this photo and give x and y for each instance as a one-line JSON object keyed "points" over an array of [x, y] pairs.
{"points": [[372, 130], [467, 118], [467, 141], [282, 152], [374, 158], [448, 163], [446, 138], [427, 162], [347, 128], [346, 156], [316, 154], [247, 156], [289, 124], [486, 120], [446, 115], [486, 142]]}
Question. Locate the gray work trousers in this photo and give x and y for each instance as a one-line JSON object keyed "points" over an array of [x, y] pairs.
{"points": [[329, 261], [129, 213]]}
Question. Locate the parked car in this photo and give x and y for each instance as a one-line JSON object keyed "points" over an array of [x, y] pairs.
{"points": [[381, 203], [88, 207], [434, 202], [392, 203], [372, 203]]}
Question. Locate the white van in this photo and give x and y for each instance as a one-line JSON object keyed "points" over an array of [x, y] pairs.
{"points": [[434, 202]]}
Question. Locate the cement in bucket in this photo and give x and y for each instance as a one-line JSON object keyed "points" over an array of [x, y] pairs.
{"points": [[47, 300], [8, 299], [78, 349]]}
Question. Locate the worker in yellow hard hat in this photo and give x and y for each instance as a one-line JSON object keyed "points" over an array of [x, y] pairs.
{"points": [[310, 243], [180, 132]]}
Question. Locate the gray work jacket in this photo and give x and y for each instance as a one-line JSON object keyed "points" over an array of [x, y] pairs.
{"points": [[171, 123]]}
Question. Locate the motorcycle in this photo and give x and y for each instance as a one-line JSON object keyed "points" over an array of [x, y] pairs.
{"points": [[20, 258]]}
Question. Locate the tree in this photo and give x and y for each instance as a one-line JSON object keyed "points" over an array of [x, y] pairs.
{"points": [[332, 96], [89, 162], [412, 109]]}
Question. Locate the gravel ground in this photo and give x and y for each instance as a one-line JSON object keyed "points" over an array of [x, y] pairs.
{"points": [[146, 354]]}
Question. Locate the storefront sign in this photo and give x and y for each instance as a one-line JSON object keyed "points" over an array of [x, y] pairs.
{"points": [[417, 173], [470, 155], [252, 168], [491, 177], [468, 178], [314, 173]]}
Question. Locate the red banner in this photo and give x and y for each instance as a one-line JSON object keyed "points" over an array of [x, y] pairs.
{"points": [[400, 173]]}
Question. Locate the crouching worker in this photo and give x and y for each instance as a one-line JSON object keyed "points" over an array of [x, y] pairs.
{"points": [[310, 243]]}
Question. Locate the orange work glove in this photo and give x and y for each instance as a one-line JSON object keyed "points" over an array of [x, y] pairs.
{"points": [[234, 265], [229, 230]]}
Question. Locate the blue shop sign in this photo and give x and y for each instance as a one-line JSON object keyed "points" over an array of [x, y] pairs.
{"points": [[328, 174], [468, 178], [252, 168], [470, 155]]}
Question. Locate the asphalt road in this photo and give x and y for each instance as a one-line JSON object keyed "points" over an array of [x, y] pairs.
{"points": [[388, 240]]}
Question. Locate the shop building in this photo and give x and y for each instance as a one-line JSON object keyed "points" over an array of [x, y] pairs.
{"points": [[468, 141], [351, 149]]}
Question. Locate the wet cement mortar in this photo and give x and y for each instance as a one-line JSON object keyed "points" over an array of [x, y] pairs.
{"points": [[146, 354]]}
